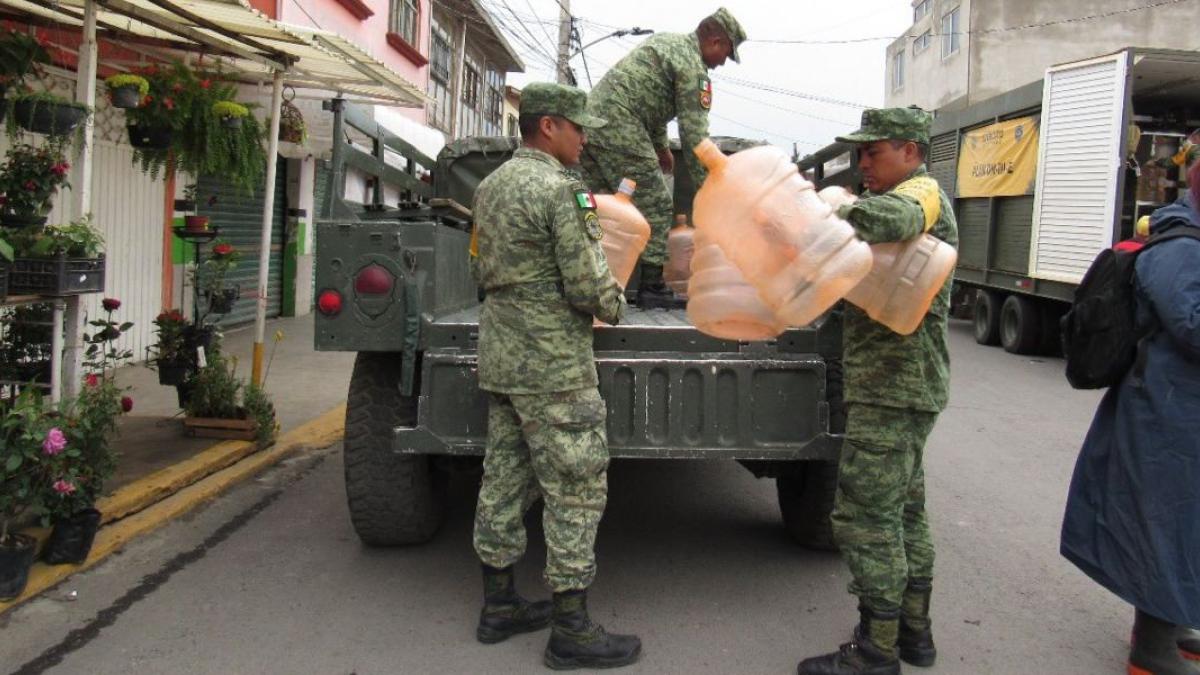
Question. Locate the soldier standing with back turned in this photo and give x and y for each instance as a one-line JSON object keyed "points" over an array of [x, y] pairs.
{"points": [[895, 387], [664, 78], [546, 278]]}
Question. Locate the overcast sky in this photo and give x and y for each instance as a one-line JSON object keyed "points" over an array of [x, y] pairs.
{"points": [[850, 73]]}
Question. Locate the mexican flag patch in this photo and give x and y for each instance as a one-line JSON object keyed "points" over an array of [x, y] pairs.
{"points": [[585, 199], [705, 93]]}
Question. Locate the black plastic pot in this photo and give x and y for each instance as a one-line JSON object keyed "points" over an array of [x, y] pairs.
{"points": [[232, 122], [150, 138], [72, 537], [20, 220], [48, 117], [183, 393], [16, 557], [223, 302], [172, 372], [197, 336], [126, 97]]}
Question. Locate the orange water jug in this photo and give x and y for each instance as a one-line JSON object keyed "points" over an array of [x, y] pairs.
{"points": [[680, 246], [720, 302], [625, 231], [785, 239], [905, 277]]}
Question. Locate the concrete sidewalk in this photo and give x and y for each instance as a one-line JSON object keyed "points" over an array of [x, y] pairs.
{"points": [[303, 383]]}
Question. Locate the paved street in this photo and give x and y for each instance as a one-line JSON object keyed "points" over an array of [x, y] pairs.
{"points": [[271, 579]]}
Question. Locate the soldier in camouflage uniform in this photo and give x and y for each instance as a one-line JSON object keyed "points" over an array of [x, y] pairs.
{"points": [[546, 279], [664, 78], [895, 387]]}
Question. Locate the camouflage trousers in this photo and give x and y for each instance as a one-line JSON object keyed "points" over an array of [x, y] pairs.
{"points": [[629, 154], [553, 446], [879, 516]]}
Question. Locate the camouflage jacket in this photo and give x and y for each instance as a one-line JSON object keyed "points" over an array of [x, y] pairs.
{"points": [[883, 367], [662, 79], [545, 276]]}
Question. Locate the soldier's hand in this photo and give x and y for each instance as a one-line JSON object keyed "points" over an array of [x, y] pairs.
{"points": [[666, 160]]}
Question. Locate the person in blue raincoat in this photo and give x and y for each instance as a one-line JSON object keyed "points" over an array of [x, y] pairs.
{"points": [[1132, 520]]}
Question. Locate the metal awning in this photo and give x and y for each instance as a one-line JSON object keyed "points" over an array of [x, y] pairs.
{"points": [[250, 45]]}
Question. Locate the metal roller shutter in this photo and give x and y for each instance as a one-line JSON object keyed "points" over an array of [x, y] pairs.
{"points": [[240, 220]]}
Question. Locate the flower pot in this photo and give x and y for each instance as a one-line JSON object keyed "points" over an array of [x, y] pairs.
{"points": [[223, 301], [72, 537], [220, 427], [126, 97], [232, 122], [183, 393], [16, 557], [172, 372], [48, 117], [150, 138], [21, 220], [195, 223]]}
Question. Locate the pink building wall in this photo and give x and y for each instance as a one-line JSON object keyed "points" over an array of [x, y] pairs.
{"points": [[369, 33]]}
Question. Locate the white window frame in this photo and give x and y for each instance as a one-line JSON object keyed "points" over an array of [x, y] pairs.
{"points": [[922, 10], [898, 70], [922, 42], [951, 42], [404, 19]]}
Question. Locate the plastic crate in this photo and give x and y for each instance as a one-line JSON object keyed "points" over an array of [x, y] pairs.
{"points": [[56, 276]]}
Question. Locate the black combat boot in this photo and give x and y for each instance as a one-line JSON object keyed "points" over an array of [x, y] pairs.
{"points": [[577, 642], [1188, 640], [915, 638], [871, 652], [653, 292], [1154, 649], [504, 612]]}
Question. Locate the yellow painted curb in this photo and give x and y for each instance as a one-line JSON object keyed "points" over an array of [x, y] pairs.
{"points": [[323, 431]]}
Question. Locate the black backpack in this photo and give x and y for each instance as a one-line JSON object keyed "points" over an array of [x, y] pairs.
{"points": [[1099, 333]]}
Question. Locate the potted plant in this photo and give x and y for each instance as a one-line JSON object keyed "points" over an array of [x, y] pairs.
{"points": [[169, 353], [210, 278], [21, 55], [29, 180], [126, 90], [45, 113], [194, 222], [155, 123], [292, 128], [214, 409], [59, 260], [231, 113], [87, 458], [28, 439]]}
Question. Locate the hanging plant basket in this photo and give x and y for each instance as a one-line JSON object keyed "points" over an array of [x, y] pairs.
{"points": [[292, 128], [150, 138], [59, 276], [223, 301], [21, 220], [48, 117], [126, 97], [16, 557], [172, 372], [231, 122], [72, 537]]}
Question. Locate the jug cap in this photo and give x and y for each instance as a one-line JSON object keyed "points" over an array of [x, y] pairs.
{"points": [[710, 155], [627, 186]]}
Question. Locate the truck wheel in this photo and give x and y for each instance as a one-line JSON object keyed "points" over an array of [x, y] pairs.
{"points": [[394, 499], [1020, 325], [805, 501], [987, 317]]}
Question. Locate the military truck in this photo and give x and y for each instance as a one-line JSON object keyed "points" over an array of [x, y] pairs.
{"points": [[1101, 122], [393, 285]]}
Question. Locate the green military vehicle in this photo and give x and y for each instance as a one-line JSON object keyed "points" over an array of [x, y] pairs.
{"points": [[393, 284]]}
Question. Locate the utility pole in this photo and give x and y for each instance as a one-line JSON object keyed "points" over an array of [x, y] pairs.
{"points": [[564, 42]]}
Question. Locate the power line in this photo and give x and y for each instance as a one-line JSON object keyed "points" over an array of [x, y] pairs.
{"points": [[788, 92], [789, 110], [526, 28], [983, 31], [541, 23]]}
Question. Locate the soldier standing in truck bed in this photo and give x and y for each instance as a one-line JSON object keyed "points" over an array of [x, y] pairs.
{"points": [[664, 78], [546, 279]]}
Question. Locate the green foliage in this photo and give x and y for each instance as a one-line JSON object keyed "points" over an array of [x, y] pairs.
{"points": [[258, 407], [6, 250], [215, 390], [38, 99], [26, 484], [209, 278], [21, 55], [25, 341], [30, 178], [230, 109], [78, 239], [129, 80], [170, 346]]}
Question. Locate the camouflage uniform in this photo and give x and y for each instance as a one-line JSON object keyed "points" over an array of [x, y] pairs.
{"points": [[663, 78], [545, 276], [895, 387]]}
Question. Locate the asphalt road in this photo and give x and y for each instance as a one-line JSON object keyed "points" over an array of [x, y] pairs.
{"points": [[271, 579]]}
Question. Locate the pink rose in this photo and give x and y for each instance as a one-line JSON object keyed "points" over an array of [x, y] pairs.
{"points": [[55, 441], [63, 487]]}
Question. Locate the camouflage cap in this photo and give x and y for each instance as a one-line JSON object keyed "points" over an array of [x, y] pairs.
{"points": [[892, 124], [733, 29], [548, 98]]}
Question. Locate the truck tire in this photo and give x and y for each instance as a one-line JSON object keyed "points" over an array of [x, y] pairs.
{"points": [[987, 317], [394, 499], [1020, 325], [806, 500]]}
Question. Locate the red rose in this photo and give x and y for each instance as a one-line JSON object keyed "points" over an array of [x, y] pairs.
{"points": [[147, 99], [205, 83], [92, 380], [169, 103], [126, 403], [223, 249], [30, 185], [110, 304]]}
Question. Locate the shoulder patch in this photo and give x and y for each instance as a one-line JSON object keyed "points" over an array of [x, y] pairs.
{"points": [[705, 92], [925, 190], [591, 223], [584, 199]]}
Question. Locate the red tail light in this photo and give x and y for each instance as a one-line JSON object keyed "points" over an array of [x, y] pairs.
{"points": [[329, 302], [374, 280]]}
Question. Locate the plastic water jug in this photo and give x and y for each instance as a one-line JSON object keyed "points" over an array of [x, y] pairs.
{"points": [[680, 246], [905, 278], [625, 231], [720, 302], [784, 238]]}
